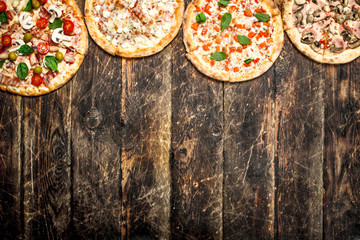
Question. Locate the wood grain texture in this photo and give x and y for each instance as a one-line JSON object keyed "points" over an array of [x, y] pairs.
{"points": [[47, 165], [146, 117], [96, 147], [342, 152], [299, 125], [11, 224], [249, 146], [196, 151]]}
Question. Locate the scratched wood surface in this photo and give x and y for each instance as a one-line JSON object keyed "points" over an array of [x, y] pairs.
{"points": [[152, 149]]}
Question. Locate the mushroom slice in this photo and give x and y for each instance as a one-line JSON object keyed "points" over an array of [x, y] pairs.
{"points": [[307, 37], [354, 42], [340, 18], [339, 8], [344, 2], [299, 18], [55, 12], [17, 44], [310, 18], [300, 2], [335, 49], [317, 13], [299, 8], [59, 36], [315, 46], [346, 36], [26, 21]]}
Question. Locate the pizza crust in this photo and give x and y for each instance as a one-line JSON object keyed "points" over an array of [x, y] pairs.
{"points": [[341, 58], [287, 14], [253, 73], [101, 40], [203, 67], [188, 37]]}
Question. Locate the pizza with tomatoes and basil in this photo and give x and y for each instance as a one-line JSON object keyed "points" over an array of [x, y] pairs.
{"points": [[326, 31], [43, 43], [233, 40], [133, 28]]}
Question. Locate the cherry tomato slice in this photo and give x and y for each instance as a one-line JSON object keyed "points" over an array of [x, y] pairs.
{"points": [[68, 26], [42, 23], [36, 80], [42, 1], [43, 47], [3, 6], [6, 40]]}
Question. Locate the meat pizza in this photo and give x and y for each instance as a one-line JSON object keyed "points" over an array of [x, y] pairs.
{"points": [[327, 31], [43, 43], [133, 28], [233, 40]]}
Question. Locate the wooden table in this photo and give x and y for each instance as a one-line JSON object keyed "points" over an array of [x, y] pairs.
{"points": [[152, 149]]}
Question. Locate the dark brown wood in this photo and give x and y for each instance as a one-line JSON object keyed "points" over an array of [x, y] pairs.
{"points": [[146, 121], [150, 148], [249, 146], [47, 162], [95, 147], [11, 193], [196, 151], [342, 152], [299, 111]]}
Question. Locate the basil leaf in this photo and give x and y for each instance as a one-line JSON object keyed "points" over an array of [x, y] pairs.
{"points": [[22, 70], [52, 63], [262, 17], [1, 63], [218, 56], [3, 17], [57, 23], [243, 40], [28, 6], [225, 21], [224, 2], [249, 60], [200, 17], [25, 49]]}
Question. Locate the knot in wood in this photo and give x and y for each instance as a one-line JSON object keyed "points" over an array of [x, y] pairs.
{"points": [[93, 118]]}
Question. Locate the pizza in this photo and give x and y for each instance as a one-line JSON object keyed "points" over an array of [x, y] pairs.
{"points": [[133, 28], [326, 31], [43, 43], [233, 40]]}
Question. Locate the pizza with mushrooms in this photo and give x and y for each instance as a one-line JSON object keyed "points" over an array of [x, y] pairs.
{"points": [[43, 43], [327, 31], [133, 28], [233, 40]]}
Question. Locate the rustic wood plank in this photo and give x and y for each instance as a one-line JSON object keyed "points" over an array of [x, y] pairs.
{"points": [[342, 152], [11, 219], [47, 165], [196, 151], [249, 146], [299, 125], [96, 143], [146, 116]]}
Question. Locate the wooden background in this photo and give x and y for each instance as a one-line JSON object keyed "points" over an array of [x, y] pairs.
{"points": [[152, 149]]}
